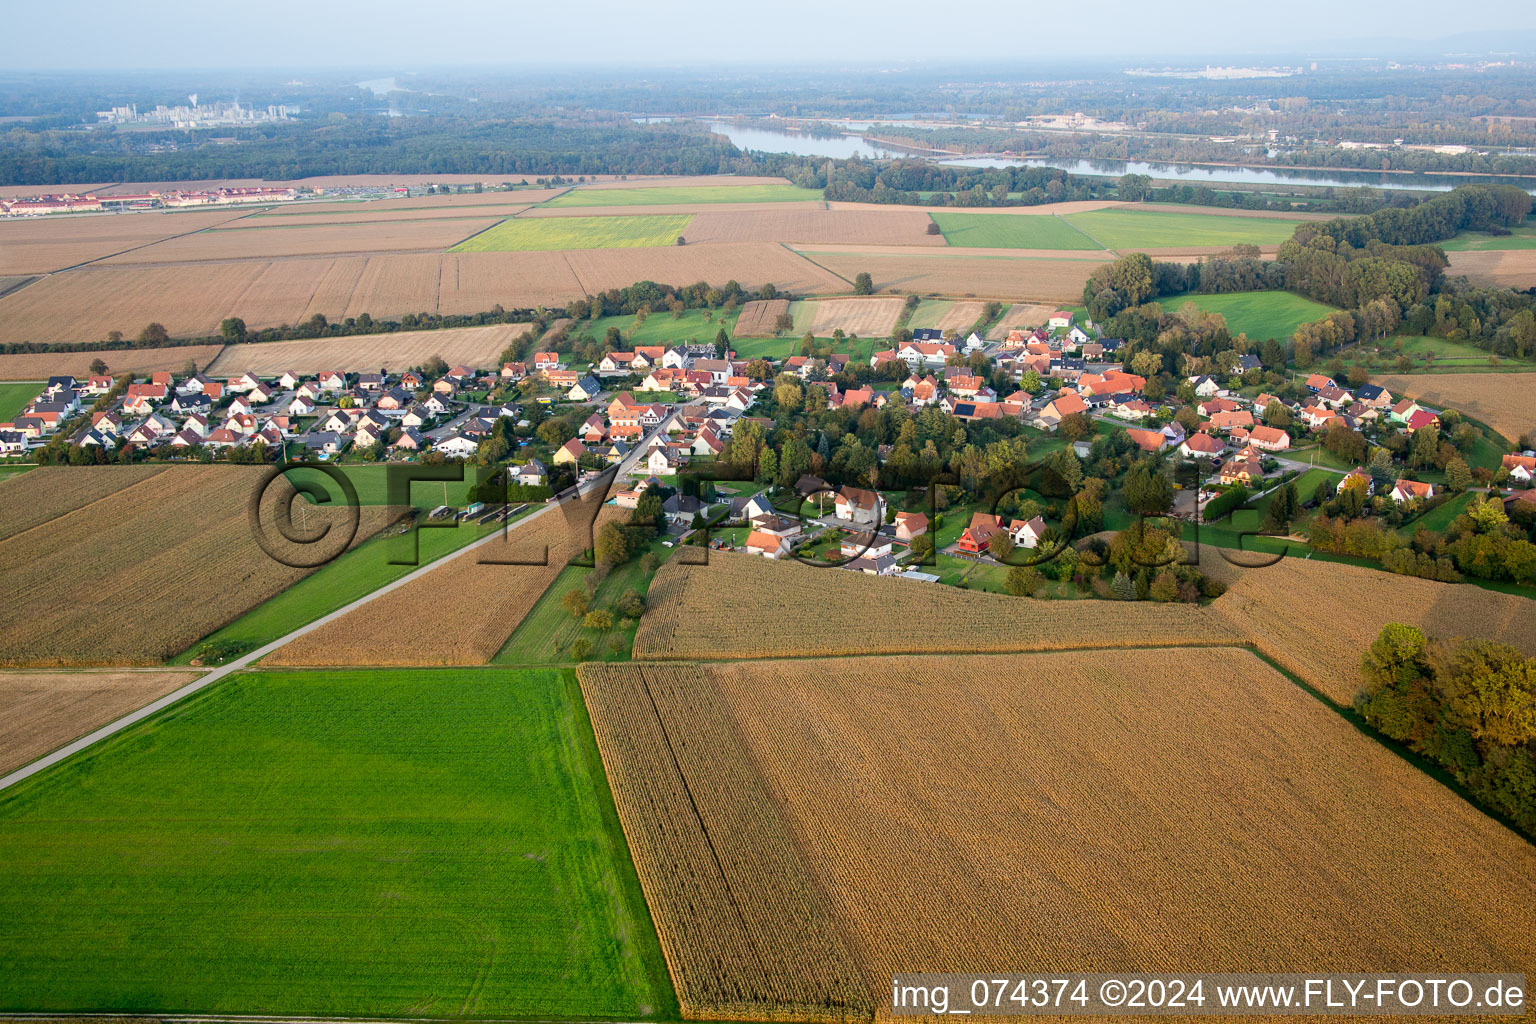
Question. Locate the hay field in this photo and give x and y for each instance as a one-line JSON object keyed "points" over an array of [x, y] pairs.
{"points": [[461, 613], [956, 273], [140, 574], [1504, 268], [1504, 401], [867, 316], [392, 353], [870, 227], [751, 263], [577, 233], [42, 711], [1317, 618], [41, 245], [39, 365], [322, 239], [1020, 316], [1149, 811], [758, 317], [797, 610]]}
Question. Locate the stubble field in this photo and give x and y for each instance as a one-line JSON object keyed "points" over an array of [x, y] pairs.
{"points": [[955, 273], [1507, 268], [255, 242], [368, 353], [868, 317], [42, 711], [46, 244], [41, 365], [1504, 401], [1020, 316], [136, 574], [695, 612], [1069, 811]]}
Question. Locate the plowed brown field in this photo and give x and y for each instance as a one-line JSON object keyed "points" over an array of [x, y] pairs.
{"points": [[42, 711], [1504, 401], [1153, 811], [872, 227], [1500, 268], [948, 272]]}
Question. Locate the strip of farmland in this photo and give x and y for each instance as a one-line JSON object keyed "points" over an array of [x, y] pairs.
{"points": [[458, 346], [1063, 811]]}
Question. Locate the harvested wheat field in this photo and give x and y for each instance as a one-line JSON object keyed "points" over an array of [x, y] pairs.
{"points": [[1504, 401], [868, 317], [954, 273], [1317, 618], [1158, 810], [1020, 316], [959, 317], [759, 317], [42, 245], [461, 613], [1499, 268], [41, 365], [751, 263], [151, 567], [320, 239], [391, 353], [474, 282], [867, 227], [694, 611], [42, 711]]}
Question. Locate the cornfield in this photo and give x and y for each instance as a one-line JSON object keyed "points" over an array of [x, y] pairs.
{"points": [[1317, 618], [117, 566], [459, 614], [746, 933], [740, 606], [1156, 810]]}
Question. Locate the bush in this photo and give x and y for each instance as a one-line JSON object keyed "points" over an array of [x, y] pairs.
{"points": [[601, 618], [581, 649], [631, 605]]}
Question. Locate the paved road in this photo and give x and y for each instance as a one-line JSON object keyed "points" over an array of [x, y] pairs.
{"points": [[601, 481]]}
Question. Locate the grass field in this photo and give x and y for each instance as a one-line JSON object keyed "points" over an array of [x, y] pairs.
{"points": [[663, 328], [1122, 228], [991, 231], [766, 348], [1259, 315], [688, 194], [1440, 355], [548, 233], [1522, 237], [13, 396], [547, 632], [372, 485], [423, 843]]}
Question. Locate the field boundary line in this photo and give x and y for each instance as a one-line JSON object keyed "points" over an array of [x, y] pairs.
{"points": [[796, 252], [22, 280], [1086, 235], [1236, 641], [604, 480], [476, 234]]}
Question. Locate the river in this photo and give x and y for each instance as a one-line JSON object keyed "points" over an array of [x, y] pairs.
{"points": [[772, 140]]}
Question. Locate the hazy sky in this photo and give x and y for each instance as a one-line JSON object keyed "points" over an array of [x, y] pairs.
{"points": [[402, 34]]}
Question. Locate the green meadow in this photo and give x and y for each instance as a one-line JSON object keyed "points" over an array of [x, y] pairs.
{"points": [[1140, 228], [14, 395], [1259, 315], [555, 233], [1011, 231], [423, 843]]}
